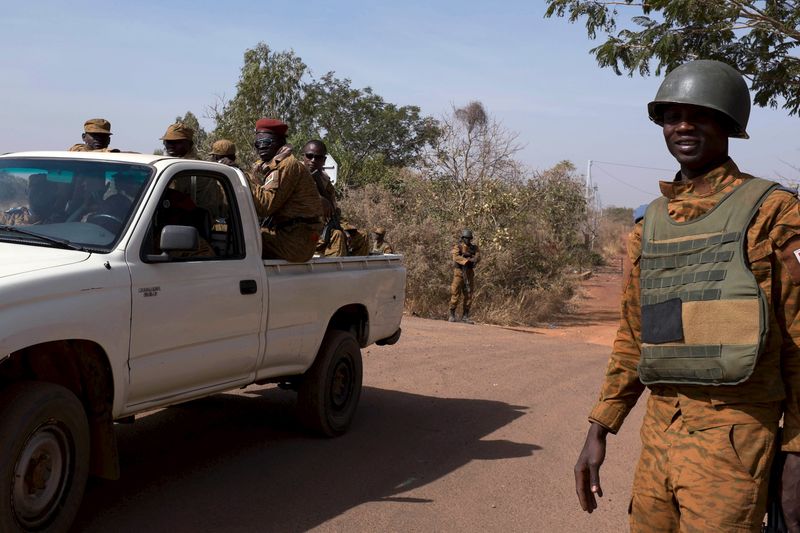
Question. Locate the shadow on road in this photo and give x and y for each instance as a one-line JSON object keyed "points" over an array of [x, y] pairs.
{"points": [[239, 463]]}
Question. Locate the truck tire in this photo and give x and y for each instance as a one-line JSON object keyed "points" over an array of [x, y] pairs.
{"points": [[329, 391], [44, 457]]}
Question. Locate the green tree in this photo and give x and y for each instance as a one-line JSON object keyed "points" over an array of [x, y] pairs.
{"points": [[364, 133], [270, 85], [760, 38]]}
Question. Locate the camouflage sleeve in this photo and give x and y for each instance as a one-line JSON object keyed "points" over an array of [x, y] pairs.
{"points": [[622, 388], [277, 188], [785, 237], [457, 257]]}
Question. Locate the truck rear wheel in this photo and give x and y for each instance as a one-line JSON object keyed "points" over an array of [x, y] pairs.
{"points": [[44, 457], [329, 391]]}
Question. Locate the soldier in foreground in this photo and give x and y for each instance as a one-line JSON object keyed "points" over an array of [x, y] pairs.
{"points": [[332, 241], [285, 196], [96, 137], [465, 256], [709, 324], [379, 245]]}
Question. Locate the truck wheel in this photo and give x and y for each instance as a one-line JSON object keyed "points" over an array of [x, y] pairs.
{"points": [[329, 391], [44, 457]]}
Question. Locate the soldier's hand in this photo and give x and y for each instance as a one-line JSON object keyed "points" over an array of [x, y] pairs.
{"points": [[587, 469], [790, 492]]}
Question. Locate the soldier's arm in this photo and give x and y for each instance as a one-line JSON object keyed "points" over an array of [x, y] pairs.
{"points": [[457, 257], [621, 387], [477, 256], [785, 237]]}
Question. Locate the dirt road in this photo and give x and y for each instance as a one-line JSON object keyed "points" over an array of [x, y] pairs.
{"points": [[460, 428]]}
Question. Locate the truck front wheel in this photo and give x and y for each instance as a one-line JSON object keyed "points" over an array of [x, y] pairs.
{"points": [[44, 457], [329, 391]]}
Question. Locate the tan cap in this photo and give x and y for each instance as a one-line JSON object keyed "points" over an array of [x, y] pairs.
{"points": [[379, 231], [97, 125], [178, 132], [223, 147]]}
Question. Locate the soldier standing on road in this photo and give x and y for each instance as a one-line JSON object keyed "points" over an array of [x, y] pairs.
{"points": [[285, 196], [96, 137], [709, 324], [465, 256], [224, 151], [380, 246], [332, 242]]}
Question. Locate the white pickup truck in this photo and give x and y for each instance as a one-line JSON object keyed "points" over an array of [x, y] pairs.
{"points": [[131, 282]]}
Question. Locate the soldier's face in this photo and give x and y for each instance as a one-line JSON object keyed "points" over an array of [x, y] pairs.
{"points": [[97, 141], [267, 145], [177, 148], [313, 157], [696, 137]]}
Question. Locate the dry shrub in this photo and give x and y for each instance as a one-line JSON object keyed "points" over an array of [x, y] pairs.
{"points": [[524, 228]]}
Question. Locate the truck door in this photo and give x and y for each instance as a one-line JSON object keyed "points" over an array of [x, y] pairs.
{"points": [[196, 317]]}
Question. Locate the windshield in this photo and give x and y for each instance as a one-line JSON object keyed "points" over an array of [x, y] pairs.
{"points": [[68, 203]]}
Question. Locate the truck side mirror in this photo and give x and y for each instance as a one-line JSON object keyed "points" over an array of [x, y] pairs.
{"points": [[175, 239]]}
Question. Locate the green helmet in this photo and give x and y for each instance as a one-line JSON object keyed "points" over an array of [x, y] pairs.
{"points": [[706, 83], [466, 234]]}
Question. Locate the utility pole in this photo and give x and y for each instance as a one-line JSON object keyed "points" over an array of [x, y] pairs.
{"points": [[588, 178]]}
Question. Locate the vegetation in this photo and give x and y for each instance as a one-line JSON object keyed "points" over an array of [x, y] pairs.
{"points": [[759, 38], [424, 179]]}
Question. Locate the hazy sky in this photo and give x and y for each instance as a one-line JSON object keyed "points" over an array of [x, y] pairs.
{"points": [[141, 64]]}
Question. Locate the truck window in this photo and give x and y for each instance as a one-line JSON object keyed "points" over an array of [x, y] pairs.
{"points": [[206, 202]]}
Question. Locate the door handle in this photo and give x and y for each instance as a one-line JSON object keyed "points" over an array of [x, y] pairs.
{"points": [[248, 286]]}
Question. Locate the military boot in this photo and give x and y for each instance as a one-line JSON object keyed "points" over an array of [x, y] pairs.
{"points": [[452, 317], [465, 318]]}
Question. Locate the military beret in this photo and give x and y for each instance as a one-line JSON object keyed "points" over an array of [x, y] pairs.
{"points": [[272, 124], [379, 231], [223, 147], [97, 125], [178, 132]]}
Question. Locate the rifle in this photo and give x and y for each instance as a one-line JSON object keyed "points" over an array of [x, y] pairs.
{"points": [[775, 522], [332, 224]]}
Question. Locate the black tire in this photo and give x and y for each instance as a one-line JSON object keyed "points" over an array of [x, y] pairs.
{"points": [[329, 391], [44, 457]]}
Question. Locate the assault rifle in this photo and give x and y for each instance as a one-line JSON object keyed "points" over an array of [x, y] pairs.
{"points": [[333, 223]]}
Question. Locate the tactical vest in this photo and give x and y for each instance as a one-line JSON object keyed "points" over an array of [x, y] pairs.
{"points": [[704, 317]]}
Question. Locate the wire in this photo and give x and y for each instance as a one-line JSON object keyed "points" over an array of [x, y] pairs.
{"points": [[631, 166], [604, 171]]}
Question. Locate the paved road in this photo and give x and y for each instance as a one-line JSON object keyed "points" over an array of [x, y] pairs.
{"points": [[460, 428]]}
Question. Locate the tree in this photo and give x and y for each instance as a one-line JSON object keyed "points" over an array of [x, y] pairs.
{"points": [[270, 85], [472, 155], [760, 38], [364, 133]]}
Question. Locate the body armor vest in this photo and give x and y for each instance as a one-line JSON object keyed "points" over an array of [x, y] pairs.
{"points": [[704, 317]]}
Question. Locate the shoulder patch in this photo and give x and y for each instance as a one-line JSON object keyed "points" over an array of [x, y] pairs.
{"points": [[789, 255]]}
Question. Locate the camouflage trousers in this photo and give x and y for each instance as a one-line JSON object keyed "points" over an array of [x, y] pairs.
{"points": [[458, 288], [295, 243], [710, 480]]}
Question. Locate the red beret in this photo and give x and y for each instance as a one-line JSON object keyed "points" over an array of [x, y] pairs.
{"points": [[271, 124]]}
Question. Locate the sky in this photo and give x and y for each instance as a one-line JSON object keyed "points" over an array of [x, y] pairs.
{"points": [[141, 64]]}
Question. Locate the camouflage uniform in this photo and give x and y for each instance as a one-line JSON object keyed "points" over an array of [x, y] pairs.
{"points": [[286, 196], [337, 242], [337, 245], [462, 266], [94, 125], [382, 248], [357, 242], [706, 451]]}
